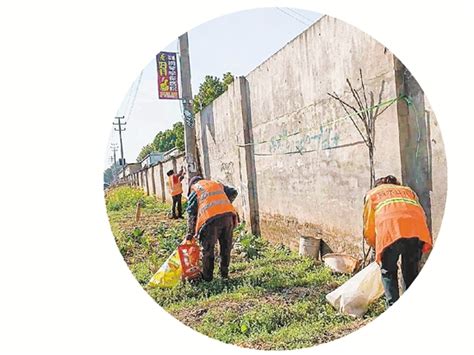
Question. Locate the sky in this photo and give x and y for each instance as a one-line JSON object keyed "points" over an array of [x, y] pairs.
{"points": [[236, 43]]}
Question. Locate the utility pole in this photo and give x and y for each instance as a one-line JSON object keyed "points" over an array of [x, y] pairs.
{"points": [[187, 97], [114, 148], [120, 130]]}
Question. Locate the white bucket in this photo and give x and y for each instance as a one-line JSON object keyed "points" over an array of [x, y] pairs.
{"points": [[342, 263], [309, 246]]}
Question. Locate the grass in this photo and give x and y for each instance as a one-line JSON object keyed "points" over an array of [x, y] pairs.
{"points": [[274, 298]]}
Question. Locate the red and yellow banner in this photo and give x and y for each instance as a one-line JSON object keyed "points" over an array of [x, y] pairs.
{"points": [[167, 75]]}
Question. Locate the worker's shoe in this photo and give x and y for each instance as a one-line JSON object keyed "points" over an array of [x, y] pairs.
{"points": [[206, 278]]}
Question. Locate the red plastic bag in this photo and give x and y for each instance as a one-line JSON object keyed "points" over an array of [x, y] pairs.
{"points": [[190, 256]]}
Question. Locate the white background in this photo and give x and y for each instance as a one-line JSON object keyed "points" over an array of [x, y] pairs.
{"points": [[65, 67]]}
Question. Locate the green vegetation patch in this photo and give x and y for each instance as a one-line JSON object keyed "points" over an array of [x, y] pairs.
{"points": [[274, 299]]}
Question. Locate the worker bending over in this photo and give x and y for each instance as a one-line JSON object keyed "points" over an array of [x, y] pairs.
{"points": [[176, 191], [395, 225], [211, 218]]}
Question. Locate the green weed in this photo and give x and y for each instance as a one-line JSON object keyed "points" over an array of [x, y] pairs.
{"points": [[274, 299], [248, 245], [124, 197], [142, 272]]}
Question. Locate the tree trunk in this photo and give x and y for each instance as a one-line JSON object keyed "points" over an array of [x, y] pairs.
{"points": [[371, 166]]}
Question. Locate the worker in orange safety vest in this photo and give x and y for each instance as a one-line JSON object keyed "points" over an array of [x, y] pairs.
{"points": [[395, 225], [175, 188], [212, 218]]}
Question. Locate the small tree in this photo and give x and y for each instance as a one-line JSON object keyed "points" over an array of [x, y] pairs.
{"points": [[367, 112], [178, 129], [108, 175], [211, 89], [165, 140], [227, 79], [145, 151]]}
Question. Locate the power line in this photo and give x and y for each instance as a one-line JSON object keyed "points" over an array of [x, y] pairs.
{"points": [[299, 14], [127, 102], [132, 105], [120, 130], [295, 18], [114, 148]]}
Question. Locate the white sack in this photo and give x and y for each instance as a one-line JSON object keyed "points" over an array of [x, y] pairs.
{"points": [[355, 296]]}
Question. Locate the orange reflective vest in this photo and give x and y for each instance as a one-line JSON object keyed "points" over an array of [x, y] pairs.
{"points": [[212, 201], [392, 212], [175, 185]]}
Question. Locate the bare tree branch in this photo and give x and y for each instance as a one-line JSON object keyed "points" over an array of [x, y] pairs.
{"points": [[362, 114], [376, 114], [344, 104], [367, 114], [357, 112], [372, 120], [363, 88]]}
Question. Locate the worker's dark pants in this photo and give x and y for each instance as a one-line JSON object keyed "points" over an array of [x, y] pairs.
{"points": [[220, 229], [177, 202], [410, 251]]}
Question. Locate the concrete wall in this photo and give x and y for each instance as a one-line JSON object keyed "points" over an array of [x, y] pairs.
{"points": [[311, 166], [320, 189], [175, 164], [219, 131], [132, 168], [180, 161], [438, 169], [160, 182], [168, 165], [140, 179], [153, 180], [150, 182], [298, 162]]}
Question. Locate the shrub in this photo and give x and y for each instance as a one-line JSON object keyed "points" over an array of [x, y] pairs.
{"points": [[248, 245], [123, 197]]}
